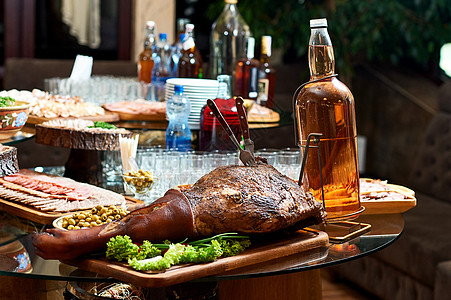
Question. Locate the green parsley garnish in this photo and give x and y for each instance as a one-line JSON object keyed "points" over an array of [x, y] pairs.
{"points": [[6, 101], [148, 256], [104, 125]]}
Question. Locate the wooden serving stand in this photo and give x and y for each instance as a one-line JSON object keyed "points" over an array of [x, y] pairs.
{"points": [[84, 162], [8, 161]]}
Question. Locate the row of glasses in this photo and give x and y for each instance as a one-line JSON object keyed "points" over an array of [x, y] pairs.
{"points": [[98, 89], [172, 168], [287, 161]]}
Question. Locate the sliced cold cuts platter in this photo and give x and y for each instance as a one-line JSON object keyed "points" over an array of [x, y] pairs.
{"points": [[380, 197], [42, 198], [263, 255]]}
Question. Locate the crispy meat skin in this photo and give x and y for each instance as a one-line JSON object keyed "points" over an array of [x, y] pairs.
{"points": [[229, 199], [255, 199]]}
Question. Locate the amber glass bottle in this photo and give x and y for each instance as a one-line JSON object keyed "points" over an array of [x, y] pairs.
{"points": [[327, 106], [246, 81], [145, 60], [190, 64], [267, 74]]}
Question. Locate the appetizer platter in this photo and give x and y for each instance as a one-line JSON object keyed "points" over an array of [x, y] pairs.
{"points": [[138, 110], [380, 197], [45, 107], [261, 114], [86, 139], [42, 198], [80, 134]]}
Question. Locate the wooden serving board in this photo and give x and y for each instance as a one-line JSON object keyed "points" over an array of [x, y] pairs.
{"points": [[46, 218], [159, 117], [375, 207], [107, 117], [271, 249]]}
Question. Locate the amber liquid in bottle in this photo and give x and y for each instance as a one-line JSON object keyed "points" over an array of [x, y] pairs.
{"points": [[190, 63], [267, 76], [246, 74], [327, 107], [145, 59], [145, 66]]}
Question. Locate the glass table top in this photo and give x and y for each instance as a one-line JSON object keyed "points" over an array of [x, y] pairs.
{"points": [[17, 257]]}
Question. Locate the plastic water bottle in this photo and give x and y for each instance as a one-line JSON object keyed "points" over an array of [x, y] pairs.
{"points": [[178, 134]]}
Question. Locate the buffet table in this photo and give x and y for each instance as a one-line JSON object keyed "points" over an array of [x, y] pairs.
{"points": [[296, 276]]}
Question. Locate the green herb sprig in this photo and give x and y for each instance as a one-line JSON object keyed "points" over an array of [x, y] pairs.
{"points": [[6, 101], [104, 125], [149, 256]]}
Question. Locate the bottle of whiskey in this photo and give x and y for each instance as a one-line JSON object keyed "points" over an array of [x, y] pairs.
{"points": [[267, 75], [190, 63], [326, 106], [229, 34], [246, 73], [145, 59]]}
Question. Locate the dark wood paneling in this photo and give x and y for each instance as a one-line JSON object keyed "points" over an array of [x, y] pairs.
{"points": [[124, 29], [13, 30], [28, 23]]}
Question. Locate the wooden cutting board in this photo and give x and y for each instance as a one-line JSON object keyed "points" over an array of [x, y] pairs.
{"points": [[46, 218], [107, 117], [157, 117], [272, 249]]}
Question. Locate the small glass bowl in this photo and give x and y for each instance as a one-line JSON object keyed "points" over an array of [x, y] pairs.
{"points": [[138, 183]]}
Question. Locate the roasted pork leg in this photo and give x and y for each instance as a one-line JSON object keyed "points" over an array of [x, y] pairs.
{"points": [[250, 200]]}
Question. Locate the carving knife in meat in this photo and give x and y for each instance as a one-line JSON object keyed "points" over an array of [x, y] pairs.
{"points": [[246, 157], [248, 143]]}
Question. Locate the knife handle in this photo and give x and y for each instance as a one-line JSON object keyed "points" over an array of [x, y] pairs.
{"points": [[219, 116], [239, 103]]}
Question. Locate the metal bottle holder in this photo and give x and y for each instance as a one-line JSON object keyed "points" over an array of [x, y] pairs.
{"points": [[339, 229]]}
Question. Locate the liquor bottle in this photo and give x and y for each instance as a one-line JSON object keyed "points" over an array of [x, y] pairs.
{"points": [[178, 134], [163, 65], [212, 135], [145, 59], [326, 106], [190, 64], [267, 75], [229, 34], [180, 27], [246, 76], [177, 53]]}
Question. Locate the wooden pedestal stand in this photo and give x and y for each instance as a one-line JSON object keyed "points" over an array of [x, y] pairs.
{"points": [[303, 285], [8, 161], [84, 162]]}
